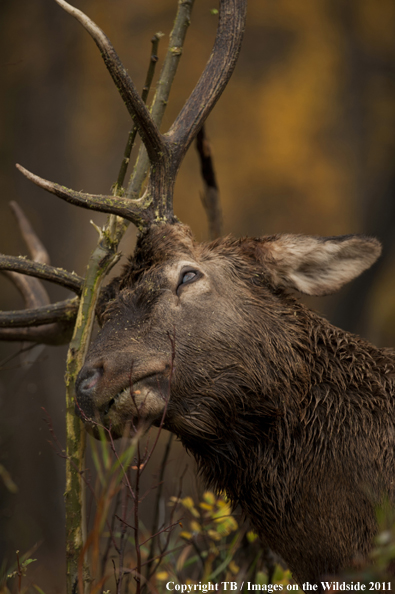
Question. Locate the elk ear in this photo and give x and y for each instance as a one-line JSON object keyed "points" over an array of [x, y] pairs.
{"points": [[316, 265]]}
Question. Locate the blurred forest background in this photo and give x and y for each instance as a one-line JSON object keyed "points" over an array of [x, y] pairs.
{"points": [[303, 141]]}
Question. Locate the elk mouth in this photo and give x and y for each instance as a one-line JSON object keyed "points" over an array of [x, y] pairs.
{"points": [[141, 403]]}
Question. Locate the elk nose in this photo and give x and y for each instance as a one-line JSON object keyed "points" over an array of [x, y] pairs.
{"points": [[85, 387]]}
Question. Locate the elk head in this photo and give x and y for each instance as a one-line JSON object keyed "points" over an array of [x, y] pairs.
{"points": [[191, 328]]}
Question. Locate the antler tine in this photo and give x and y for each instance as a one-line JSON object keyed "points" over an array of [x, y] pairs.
{"points": [[232, 17], [149, 133], [69, 280], [35, 246], [135, 211], [32, 290], [62, 311], [52, 334], [17, 325]]}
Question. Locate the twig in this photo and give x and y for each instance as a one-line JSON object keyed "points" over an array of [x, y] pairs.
{"points": [[158, 557], [123, 534], [110, 536], [23, 349], [163, 530], [157, 501], [166, 544]]}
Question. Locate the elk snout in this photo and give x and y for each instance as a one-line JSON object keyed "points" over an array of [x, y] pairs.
{"points": [[87, 381]]}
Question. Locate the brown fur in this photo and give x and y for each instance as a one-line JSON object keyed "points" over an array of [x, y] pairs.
{"points": [[292, 417]]}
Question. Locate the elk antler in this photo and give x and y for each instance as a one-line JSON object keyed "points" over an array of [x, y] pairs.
{"points": [[165, 151], [17, 325]]}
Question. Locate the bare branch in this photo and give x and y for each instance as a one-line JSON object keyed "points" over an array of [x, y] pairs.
{"points": [[210, 196], [69, 280], [149, 133], [155, 520]]}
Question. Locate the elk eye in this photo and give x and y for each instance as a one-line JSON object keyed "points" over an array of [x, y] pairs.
{"points": [[188, 276]]}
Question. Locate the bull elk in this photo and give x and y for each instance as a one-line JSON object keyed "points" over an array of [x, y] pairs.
{"points": [[292, 417]]}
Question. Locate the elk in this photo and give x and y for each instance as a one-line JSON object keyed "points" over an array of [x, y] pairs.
{"points": [[292, 417]]}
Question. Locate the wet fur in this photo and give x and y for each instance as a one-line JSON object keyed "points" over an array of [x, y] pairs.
{"points": [[292, 417]]}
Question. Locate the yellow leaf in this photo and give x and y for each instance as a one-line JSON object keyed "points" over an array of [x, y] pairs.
{"points": [[205, 505], [209, 497], [187, 502], [214, 535], [251, 536], [162, 575], [223, 530], [233, 567], [224, 510], [231, 522], [195, 526], [186, 535]]}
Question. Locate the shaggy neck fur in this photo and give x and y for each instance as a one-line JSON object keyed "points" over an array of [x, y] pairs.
{"points": [[282, 451]]}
